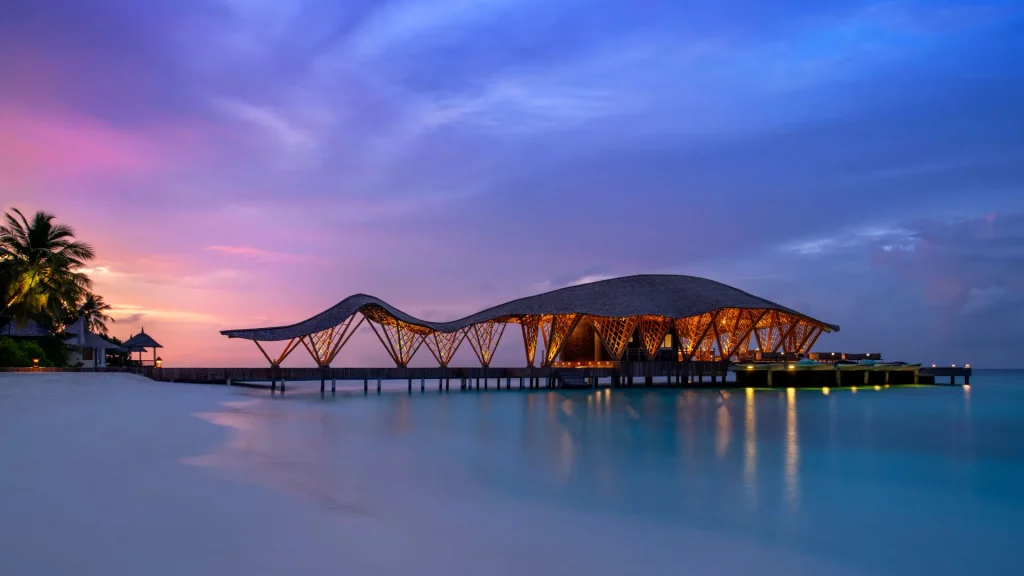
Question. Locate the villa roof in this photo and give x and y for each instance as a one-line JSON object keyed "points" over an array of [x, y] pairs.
{"points": [[645, 295], [92, 340], [27, 329], [84, 338], [139, 342]]}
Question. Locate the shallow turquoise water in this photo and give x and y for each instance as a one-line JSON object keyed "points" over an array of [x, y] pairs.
{"points": [[131, 477], [888, 481]]}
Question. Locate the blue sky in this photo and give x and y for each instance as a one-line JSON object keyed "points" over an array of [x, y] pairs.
{"points": [[242, 162]]}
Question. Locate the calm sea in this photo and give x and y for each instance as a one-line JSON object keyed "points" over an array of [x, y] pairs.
{"points": [[916, 480]]}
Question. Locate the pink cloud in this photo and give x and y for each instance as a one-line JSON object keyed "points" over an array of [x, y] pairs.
{"points": [[61, 144], [259, 254]]}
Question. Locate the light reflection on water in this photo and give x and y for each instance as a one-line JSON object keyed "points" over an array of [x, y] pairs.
{"points": [[750, 447], [881, 462]]}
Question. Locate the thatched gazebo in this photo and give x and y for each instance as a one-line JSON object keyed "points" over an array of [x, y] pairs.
{"points": [[139, 343]]}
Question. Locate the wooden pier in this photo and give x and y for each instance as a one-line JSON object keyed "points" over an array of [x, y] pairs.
{"points": [[694, 374]]}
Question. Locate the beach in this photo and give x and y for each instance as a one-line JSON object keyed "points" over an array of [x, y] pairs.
{"points": [[115, 474]]}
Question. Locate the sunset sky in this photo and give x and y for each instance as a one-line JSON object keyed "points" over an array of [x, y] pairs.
{"points": [[239, 163]]}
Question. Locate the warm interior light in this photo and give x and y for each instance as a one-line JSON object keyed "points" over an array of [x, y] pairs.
{"points": [[791, 367], [159, 362], [35, 362], [750, 367]]}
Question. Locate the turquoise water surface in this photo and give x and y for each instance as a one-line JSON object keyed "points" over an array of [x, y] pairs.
{"points": [[900, 480]]}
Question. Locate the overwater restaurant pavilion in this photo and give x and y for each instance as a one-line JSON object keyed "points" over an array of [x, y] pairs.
{"points": [[633, 318]]}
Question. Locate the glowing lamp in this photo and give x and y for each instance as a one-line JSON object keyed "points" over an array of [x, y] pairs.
{"points": [[878, 387], [967, 365], [35, 362], [933, 365], [791, 367], [159, 362], [750, 367], [825, 391], [954, 365]]}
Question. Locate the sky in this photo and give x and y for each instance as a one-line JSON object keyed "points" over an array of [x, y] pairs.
{"points": [[240, 163]]}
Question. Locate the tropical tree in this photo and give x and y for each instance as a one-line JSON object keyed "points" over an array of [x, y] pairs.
{"points": [[40, 263], [93, 311]]}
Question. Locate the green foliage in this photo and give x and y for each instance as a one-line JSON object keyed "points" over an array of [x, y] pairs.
{"points": [[40, 263], [11, 354], [19, 353], [116, 358], [54, 351], [41, 277]]}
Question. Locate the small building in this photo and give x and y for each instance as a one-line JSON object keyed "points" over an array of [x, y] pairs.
{"points": [[139, 343], [85, 348]]}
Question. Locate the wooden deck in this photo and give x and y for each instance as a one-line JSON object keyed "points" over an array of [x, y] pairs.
{"points": [[661, 374]]}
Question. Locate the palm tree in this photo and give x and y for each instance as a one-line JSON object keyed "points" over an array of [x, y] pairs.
{"points": [[39, 267], [93, 311]]}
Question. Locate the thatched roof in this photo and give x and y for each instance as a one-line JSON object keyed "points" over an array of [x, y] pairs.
{"points": [[654, 295], [27, 329], [92, 340], [139, 342]]}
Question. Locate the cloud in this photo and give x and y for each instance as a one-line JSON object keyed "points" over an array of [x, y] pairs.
{"points": [[886, 238], [67, 145], [405, 22], [259, 254], [131, 312], [295, 134]]}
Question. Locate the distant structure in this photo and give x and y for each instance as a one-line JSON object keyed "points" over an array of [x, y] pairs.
{"points": [[85, 348], [139, 343], [635, 318]]}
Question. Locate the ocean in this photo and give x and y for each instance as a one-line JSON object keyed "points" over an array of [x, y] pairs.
{"points": [[113, 474]]}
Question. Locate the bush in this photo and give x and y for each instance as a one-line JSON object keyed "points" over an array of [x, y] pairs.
{"points": [[12, 355], [18, 353], [53, 351]]}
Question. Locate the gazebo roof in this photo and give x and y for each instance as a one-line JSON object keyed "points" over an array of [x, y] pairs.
{"points": [[139, 342]]}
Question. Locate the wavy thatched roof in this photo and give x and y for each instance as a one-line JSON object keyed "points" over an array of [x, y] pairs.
{"points": [[654, 295]]}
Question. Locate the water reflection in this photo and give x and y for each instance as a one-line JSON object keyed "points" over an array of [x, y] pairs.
{"points": [[750, 447], [792, 452], [723, 428]]}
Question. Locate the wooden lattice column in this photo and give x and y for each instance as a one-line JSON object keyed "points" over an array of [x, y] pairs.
{"points": [[484, 338], [695, 334], [614, 333], [787, 324], [769, 331], [400, 339], [652, 331], [811, 339], [797, 336], [555, 331], [324, 346], [737, 340], [444, 344], [288, 349], [531, 327]]}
